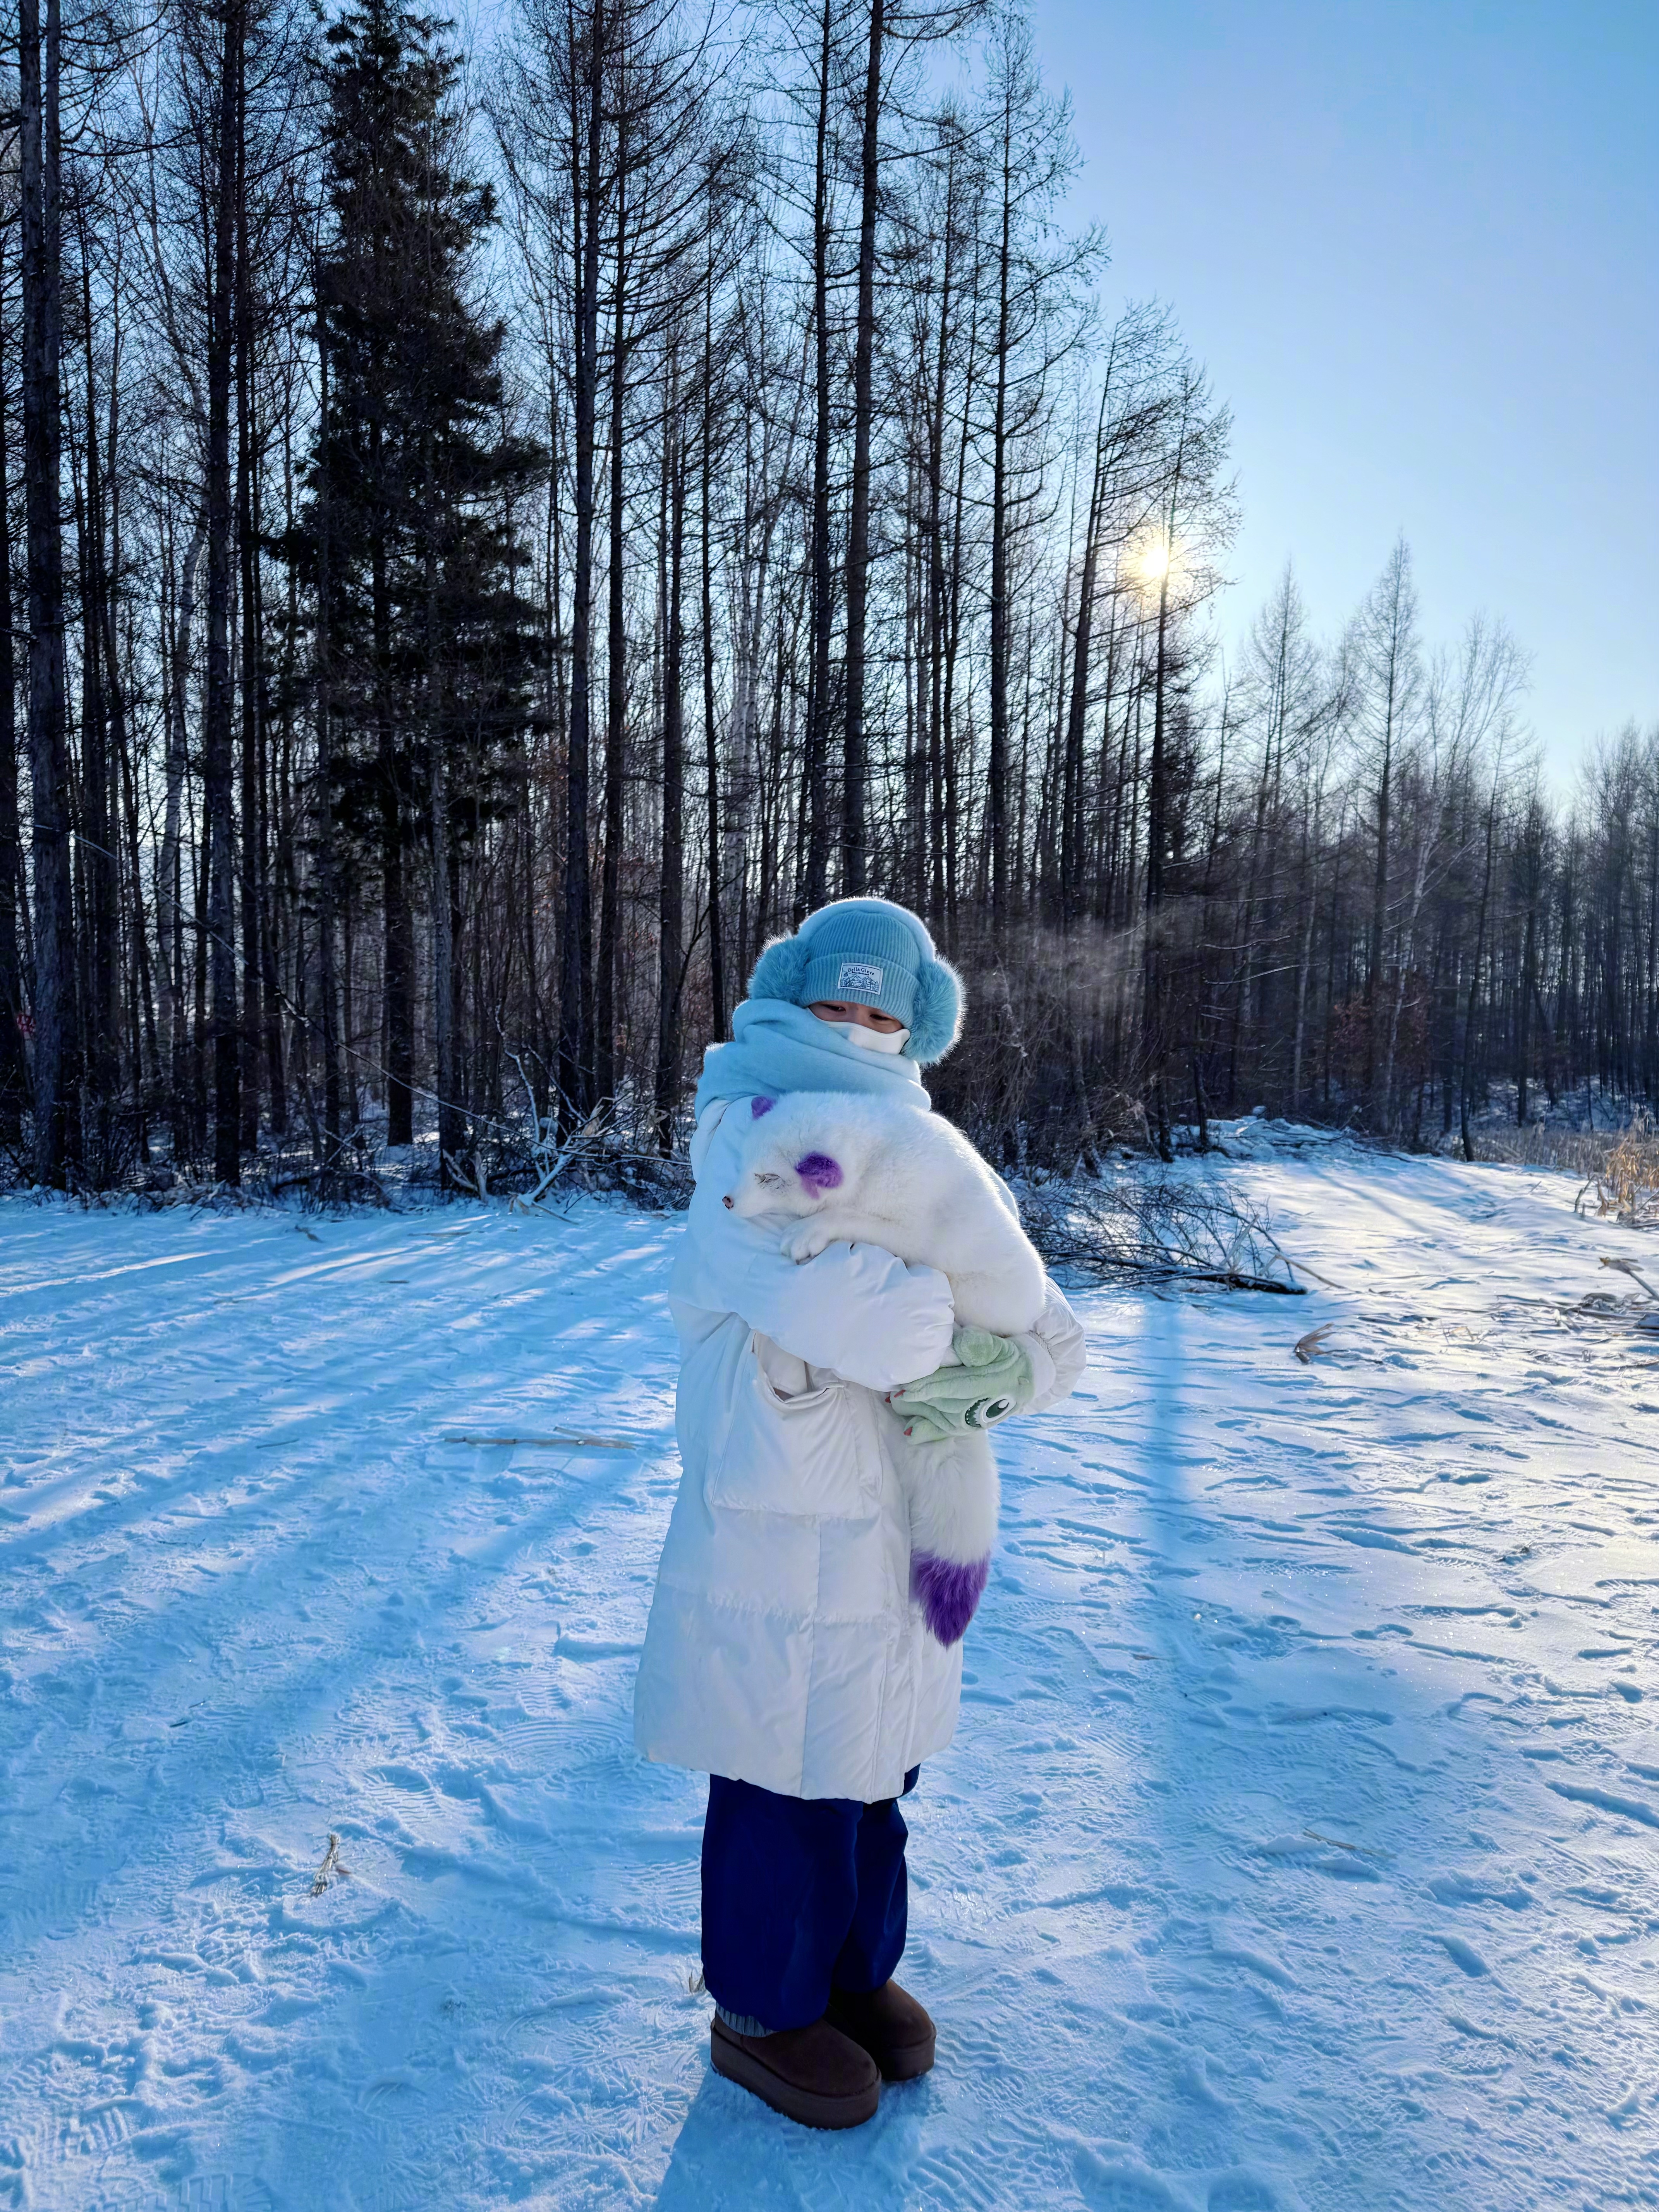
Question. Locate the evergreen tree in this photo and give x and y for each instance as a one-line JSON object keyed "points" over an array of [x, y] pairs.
{"points": [[431, 649]]}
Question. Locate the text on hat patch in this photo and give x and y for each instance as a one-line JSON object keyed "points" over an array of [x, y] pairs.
{"points": [[858, 979]]}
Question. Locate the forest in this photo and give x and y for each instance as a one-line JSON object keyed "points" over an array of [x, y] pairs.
{"points": [[487, 539]]}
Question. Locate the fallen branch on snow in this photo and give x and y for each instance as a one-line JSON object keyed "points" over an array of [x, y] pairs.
{"points": [[1307, 1348], [332, 1869], [560, 1440], [1160, 1231]]}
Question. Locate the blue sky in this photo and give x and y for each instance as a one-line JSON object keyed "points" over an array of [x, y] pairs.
{"points": [[1418, 247]]}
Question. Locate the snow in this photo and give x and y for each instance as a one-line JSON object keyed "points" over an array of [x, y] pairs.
{"points": [[1297, 1853]]}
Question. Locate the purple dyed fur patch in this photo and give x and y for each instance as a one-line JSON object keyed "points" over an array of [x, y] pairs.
{"points": [[818, 1169], [759, 1106], [948, 1592]]}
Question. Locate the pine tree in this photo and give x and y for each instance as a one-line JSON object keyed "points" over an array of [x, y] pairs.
{"points": [[431, 647]]}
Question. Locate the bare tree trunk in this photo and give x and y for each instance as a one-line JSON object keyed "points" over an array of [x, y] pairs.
{"points": [[14, 1070], [1407, 953], [817, 885], [951, 844], [710, 735], [937, 650], [853, 827], [1071, 823], [253, 1035], [323, 815], [576, 951], [671, 905], [451, 1125], [615, 659], [996, 786], [397, 950], [53, 1011], [1155, 1042], [140, 1003], [169, 933], [100, 868], [1467, 1082], [217, 745], [1304, 957], [1528, 990], [1390, 654]]}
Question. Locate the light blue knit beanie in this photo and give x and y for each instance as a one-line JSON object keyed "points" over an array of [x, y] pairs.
{"points": [[873, 953]]}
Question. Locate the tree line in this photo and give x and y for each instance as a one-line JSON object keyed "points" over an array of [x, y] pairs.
{"points": [[485, 542]]}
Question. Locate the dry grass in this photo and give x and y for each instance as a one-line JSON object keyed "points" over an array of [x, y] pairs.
{"points": [[1583, 1152], [1629, 1183], [1618, 1169]]}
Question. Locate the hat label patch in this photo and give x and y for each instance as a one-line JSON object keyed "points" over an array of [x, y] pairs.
{"points": [[859, 979]]}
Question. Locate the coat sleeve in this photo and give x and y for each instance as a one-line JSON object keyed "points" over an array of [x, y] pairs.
{"points": [[854, 1308], [1058, 1349]]}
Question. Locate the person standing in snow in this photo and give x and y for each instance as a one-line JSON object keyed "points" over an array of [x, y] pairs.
{"points": [[786, 1656]]}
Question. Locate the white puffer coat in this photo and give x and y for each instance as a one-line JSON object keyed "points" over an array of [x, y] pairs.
{"points": [[784, 1648]]}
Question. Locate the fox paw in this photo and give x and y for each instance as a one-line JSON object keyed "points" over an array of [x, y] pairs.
{"points": [[948, 1591], [805, 1243]]}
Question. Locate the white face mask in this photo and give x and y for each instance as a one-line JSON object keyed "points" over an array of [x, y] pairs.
{"points": [[871, 1040]]}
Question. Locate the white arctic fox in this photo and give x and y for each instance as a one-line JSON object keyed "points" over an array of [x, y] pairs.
{"points": [[856, 1169]]}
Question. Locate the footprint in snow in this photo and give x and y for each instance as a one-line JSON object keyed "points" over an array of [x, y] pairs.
{"points": [[1241, 2192], [1473, 1889], [1111, 2185], [947, 2179], [1463, 1954]]}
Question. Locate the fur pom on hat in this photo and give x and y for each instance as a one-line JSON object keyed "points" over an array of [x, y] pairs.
{"points": [[873, 953], [780, 971], [937, 1022]]}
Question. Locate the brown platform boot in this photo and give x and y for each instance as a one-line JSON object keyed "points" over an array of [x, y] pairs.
{"points": [[813, 2074], [889, 2025]]}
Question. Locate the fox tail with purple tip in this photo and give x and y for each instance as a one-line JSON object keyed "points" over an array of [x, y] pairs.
{"points": [[948, 1592], [950, 1489]]}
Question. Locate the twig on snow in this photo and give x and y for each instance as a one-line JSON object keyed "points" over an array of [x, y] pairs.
{"points": [[1629, 1267], [332, 1869], [1307, 1348], [561, 1440]]}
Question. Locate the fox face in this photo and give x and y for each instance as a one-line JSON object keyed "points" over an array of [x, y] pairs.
{"points": [[774, 1182]]}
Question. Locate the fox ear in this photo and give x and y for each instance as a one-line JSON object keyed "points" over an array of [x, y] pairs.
{"points": [[759, 1106], [818, 1169]]}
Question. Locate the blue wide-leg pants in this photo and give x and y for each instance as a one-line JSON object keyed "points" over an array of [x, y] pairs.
{"points": [[800, 1895]]}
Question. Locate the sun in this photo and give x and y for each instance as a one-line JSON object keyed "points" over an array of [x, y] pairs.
{"points": [[1154, 558], [1156, 563]]}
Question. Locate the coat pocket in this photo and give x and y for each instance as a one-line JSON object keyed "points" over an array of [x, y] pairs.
{"points": [[805, 1453]]}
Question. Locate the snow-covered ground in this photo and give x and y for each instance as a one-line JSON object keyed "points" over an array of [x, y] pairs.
{"points": [[1297, 1850]]}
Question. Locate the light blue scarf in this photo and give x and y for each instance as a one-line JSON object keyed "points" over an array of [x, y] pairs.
{"points": [[777, 1047]]}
